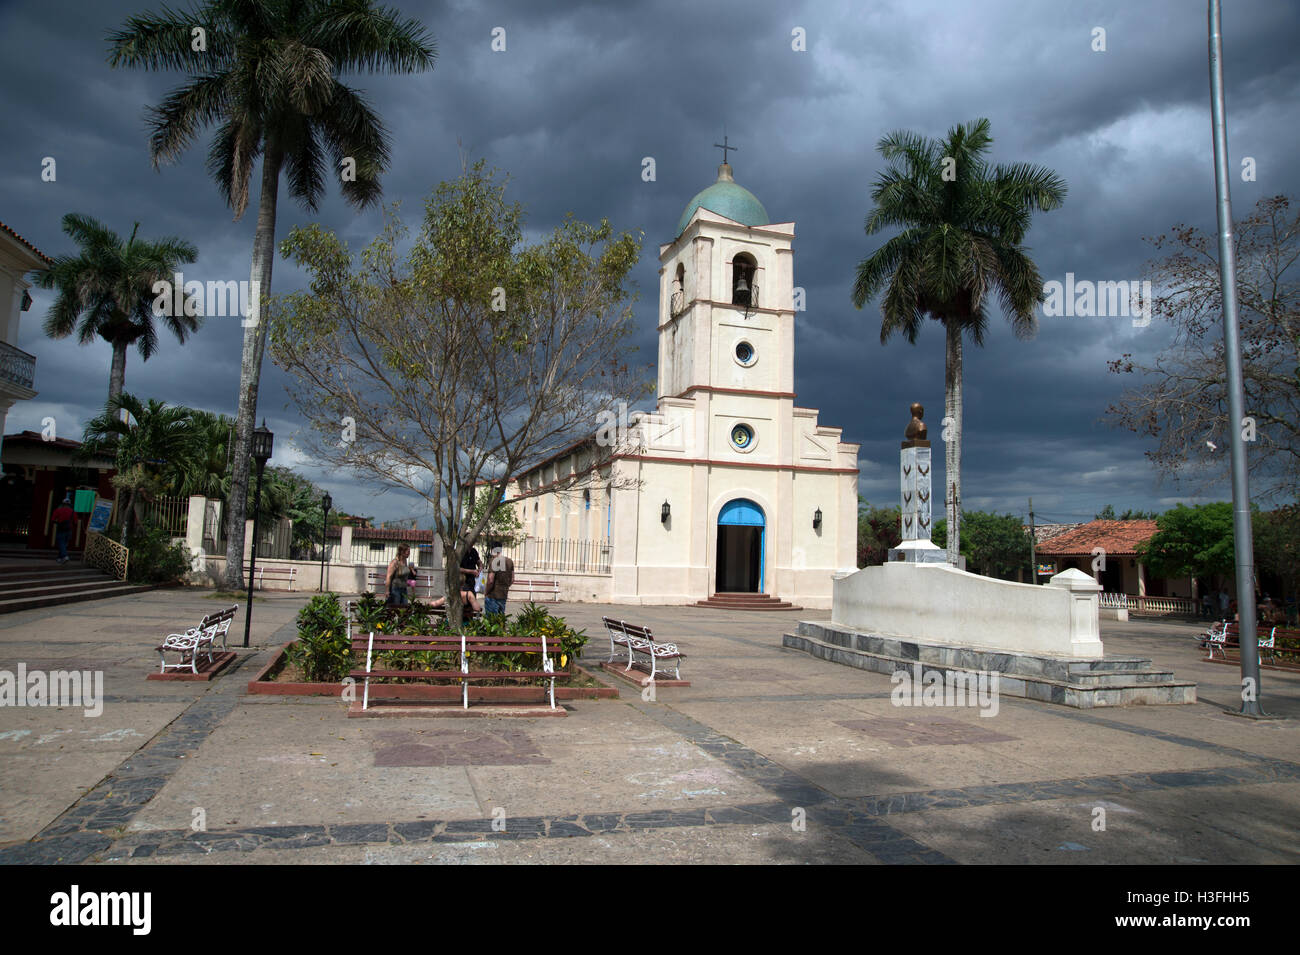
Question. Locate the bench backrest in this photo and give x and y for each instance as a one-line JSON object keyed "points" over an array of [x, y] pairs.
{"points": [[1233, 630], [219, 617], [641, 633], [447, 643], [420, 644]]}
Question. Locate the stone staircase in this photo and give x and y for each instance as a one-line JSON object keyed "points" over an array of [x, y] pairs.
{"points": [[745, 601], [31, 582], [1113, 681]]}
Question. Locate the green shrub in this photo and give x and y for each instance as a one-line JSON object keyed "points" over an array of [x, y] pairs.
{"points": [[323, 650], [155, 559]]}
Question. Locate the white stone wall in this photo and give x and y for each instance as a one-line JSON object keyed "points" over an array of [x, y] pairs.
{"points": [[936, 603]]}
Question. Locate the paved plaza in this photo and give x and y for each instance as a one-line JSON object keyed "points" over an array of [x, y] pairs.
{"points": [[769, 756]]}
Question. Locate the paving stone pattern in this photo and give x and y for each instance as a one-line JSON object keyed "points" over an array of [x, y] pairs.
{"points": [[93, 828]]}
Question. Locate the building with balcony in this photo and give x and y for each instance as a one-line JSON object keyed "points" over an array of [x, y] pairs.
{"points": [[18, 257]]}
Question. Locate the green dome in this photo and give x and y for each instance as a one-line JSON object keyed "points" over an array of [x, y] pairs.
{"points": [[726, 199]]}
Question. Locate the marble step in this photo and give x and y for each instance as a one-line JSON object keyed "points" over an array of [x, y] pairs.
{"points": [[1018, 675]]}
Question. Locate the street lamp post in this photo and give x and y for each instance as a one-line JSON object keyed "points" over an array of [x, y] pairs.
{"points": [[324, 546], [1243, 544], [263, 441]]}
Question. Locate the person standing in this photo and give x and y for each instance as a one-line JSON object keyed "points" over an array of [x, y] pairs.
{"points": [[501, 574], [62, 519], [470, 565], [398, 578]]}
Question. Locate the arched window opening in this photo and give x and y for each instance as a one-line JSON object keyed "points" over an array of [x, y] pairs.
{"points": [[743, 269]]}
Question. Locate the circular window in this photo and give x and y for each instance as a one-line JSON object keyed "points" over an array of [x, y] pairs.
{"points": [[745, 353], [742, 436]]}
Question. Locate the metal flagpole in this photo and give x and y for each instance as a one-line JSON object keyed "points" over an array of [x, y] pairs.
{"points": [[1242, 538]]}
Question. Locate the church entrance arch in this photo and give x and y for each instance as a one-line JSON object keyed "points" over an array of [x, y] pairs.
{"points": [[741, 525]]}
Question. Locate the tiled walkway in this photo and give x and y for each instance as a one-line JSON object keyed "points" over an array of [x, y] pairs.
{"points": [[770, 756]]}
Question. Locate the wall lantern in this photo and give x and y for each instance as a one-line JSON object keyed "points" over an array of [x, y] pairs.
{"points": [[664, 512], [817, 518]]}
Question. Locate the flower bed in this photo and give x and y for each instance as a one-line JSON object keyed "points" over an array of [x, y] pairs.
{"points": [[317, 663]]}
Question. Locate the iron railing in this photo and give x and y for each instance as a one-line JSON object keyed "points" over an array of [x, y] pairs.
{"points": [[16, 366], [561, 555], [106, 555]]}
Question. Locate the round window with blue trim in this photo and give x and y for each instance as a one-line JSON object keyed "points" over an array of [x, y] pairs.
{"points": [[742, 436], [745, 354]]}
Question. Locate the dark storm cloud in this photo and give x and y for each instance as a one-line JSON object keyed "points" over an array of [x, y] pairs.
{"points": [[586, 91]]}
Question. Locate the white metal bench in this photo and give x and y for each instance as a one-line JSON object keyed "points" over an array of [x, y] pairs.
{"points": [[539, 591], [275, 573], [640, 642], [1217, 639], [617, 640], [196, 642]]}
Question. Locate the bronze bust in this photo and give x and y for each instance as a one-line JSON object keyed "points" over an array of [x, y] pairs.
{"points": [[916, 433]]}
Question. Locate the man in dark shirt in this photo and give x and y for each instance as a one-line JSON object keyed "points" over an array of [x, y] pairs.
{"points": [[62, 519], [469, 565], [501, 574]]}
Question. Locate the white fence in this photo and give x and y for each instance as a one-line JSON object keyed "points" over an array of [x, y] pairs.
{"points": [[1152, 605]]}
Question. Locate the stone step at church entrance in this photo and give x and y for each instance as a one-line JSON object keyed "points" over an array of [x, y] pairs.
{"points": [[745, 601]]}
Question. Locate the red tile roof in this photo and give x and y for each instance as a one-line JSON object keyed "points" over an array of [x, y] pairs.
{"points": [[11, 232], [360, 534], [1114, 537]]}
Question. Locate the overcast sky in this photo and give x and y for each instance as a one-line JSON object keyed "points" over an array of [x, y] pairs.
{"points": [[584, 91]]}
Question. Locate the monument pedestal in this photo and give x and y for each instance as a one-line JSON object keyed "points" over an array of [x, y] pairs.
{"points": [[1084, 684], [918, 552]]}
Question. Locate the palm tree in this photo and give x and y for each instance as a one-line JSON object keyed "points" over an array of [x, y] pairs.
{"points": [[962, 228], [207, 472], [148, 443], [107, 291], [268, 76]]}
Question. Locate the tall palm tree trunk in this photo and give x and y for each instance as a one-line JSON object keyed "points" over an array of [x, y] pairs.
{"points": [[117, 372], [952, 445], [250, 367]]}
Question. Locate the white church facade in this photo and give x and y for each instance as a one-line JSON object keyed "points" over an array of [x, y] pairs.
{"points": [[728, 487]]}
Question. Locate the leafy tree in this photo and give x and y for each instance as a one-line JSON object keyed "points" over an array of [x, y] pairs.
{"points": [[878, 532], [267, 75], [1277, 545], [1182, 403], [146, 443], [455, 367], [1107, 513], [1191, 542], [107, 291], [503, 527], [963, 228], [995, 545]]}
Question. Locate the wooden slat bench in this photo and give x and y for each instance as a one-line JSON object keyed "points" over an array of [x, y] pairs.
{"points": [[274, 573], [377, 579], [639, 641], [537, 590], [462, 646], [196, 641]]}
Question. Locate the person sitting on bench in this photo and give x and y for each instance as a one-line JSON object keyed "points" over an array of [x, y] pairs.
{"points": [[466, 599]]}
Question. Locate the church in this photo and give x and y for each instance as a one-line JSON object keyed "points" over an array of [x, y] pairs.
{"points": [[728, 493]]}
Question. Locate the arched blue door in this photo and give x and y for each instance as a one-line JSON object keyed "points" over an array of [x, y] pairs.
{"points": [[741, 526]]}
